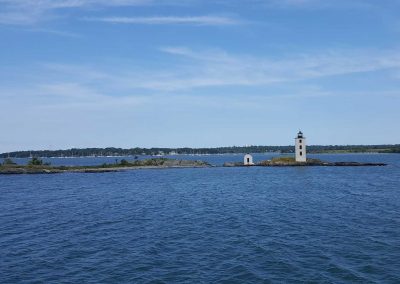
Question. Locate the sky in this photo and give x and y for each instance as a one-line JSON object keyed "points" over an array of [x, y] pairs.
{"points": [[198, 73]]}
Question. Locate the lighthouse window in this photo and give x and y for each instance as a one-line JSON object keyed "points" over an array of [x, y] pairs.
{"points": [[301, 147], [300, 141], [301, 153]]}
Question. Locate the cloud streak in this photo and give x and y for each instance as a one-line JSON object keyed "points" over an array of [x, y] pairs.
{"points": [[63, 4], [215, 68], [218, 68], [194, 69], [169, 20], [29, 12]]}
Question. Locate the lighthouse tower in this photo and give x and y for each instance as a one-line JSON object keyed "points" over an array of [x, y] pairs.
{"points": [[300, 147]]}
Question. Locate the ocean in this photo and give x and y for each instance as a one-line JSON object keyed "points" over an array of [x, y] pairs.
{"points": [[204, 225]]}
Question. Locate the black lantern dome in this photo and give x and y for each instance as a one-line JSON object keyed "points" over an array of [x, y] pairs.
{"points": [[300, 134]]}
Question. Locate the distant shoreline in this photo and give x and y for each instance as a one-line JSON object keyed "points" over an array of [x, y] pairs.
{"points": [[159, 152], [198, 155]]}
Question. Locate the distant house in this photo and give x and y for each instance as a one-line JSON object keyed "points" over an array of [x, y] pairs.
{"points": [[300, 147], [248, 160]]}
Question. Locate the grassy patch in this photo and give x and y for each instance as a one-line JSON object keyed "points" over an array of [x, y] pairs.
{"points": [[283, 160]]}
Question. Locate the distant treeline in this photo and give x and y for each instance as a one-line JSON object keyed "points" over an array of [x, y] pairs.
{"points": [[198, 151]]}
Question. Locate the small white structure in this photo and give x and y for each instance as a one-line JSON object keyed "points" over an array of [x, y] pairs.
{"points": [[300, 147], [248, 160]]}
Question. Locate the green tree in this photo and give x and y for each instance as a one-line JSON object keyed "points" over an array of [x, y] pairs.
{"points": [[35, 162]]}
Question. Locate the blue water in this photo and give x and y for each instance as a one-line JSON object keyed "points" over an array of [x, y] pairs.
{"points": [[213, 225]]}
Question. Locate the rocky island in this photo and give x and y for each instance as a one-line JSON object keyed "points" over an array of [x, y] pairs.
{"points": [[36, 166], [291, 162]]}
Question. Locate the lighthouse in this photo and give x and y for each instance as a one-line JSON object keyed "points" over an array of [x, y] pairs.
{"points": [[300, 148]]}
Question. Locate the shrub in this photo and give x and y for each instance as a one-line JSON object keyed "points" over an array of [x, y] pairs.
{"points": [[35, 162], [124, 162], [8, 161]]}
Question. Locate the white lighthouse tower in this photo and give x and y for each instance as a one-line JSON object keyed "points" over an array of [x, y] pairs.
{"points": [[300, 147]]}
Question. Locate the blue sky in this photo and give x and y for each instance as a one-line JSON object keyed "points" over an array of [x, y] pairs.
{"points": [[149, 73]]}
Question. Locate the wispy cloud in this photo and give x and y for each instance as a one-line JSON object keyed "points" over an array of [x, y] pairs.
{"points": [[195, 69], [220, 68], [28, 12], [170, 20], [59, 4], [316, 4]]}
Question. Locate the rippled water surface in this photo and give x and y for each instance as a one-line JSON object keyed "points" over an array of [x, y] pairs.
{"points": [[213, 225]]}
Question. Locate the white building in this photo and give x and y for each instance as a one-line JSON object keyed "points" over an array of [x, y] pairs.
{"points": [[300, 147], [248, 160]]}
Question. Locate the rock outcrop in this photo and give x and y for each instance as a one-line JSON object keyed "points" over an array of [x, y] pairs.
{"points": [[291, 162], [160, 163]]}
